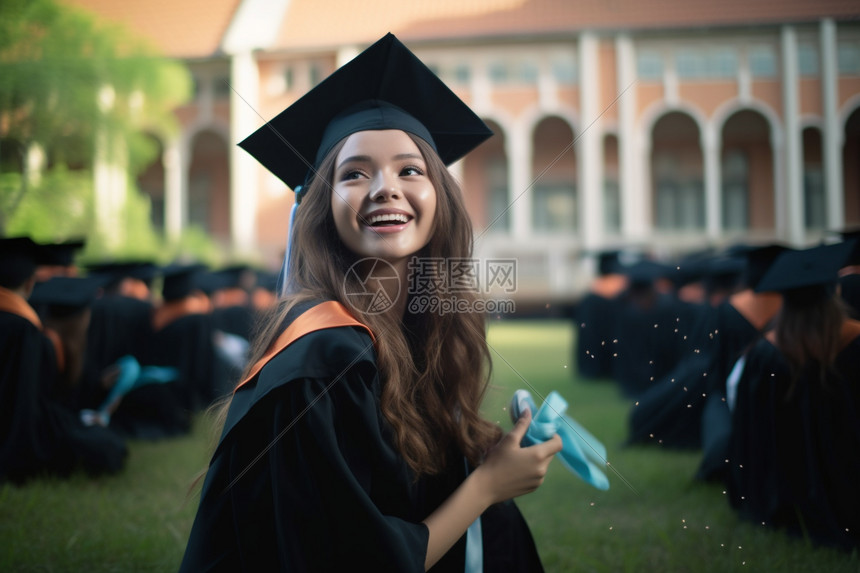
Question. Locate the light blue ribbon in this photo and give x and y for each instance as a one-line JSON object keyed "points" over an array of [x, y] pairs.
{"points": [[581, 453], [285, 269], [474, 543], [131, 376]]}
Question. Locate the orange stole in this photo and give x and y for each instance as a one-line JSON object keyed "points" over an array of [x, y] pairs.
{"points": [[15, 304], [329, 314]]}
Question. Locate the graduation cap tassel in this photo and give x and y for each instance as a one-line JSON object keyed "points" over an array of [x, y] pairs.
{"points": [[282, 277]]}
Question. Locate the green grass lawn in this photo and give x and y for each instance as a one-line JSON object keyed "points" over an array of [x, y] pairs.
{"points": [[653, 518]]}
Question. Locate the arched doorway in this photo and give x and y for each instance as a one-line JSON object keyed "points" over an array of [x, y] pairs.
{"points": [[150, 182], [677, 174], [485, 184], [851, 169], [747, 173], [209, 185], [554, 196]]}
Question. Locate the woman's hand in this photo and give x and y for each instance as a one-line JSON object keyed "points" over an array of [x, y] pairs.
{"points": [[511, 470]]}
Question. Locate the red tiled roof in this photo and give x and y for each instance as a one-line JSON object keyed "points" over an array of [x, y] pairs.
{"points": [[179, 28], [326, 23]]}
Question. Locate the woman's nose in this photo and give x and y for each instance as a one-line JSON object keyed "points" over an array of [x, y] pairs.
{"points": [[384, 188]]}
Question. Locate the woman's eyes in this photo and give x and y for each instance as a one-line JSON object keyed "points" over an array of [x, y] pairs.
{"points": [[352, 174], [408, 171]]}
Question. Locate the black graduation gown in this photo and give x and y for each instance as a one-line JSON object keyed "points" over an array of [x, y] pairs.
{"points": [[671, 412], [237, 320], [38, 433], [734, 335], [795, 458], [595, 328], [648, 344], [306, 477], [164, 410], [119, 326]]}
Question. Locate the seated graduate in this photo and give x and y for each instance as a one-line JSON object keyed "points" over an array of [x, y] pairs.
{"points": [[735, 325], [794, 449], [121, 324], [180, 338], [670, 412], [358, 444], [594, 319], [233, 321], [39, 433], [647, 342]]}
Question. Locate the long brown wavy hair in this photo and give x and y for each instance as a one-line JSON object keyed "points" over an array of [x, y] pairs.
{"points": [[808, 330], [434, 368]]}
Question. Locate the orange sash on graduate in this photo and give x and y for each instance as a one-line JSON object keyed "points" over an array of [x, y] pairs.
{"points": [[329, 314], [14, 303], [174, 310]]}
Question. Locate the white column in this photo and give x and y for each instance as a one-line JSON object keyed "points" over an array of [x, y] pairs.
{"points": [[630, 181], [547, 87], [589, 157], [744, 82], [793, 150], [244, 184], [481, 87], [777, 146], [520, 181], [670, 80], [832, 133], [643, 211], [111, 186], [174, 191], [713, 206]]}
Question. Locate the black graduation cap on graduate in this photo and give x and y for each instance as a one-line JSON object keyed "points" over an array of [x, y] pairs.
{"points": [[723, 272], [384, 87], [852, 234], [117, 271], [814, 267], [645, 272], [180, 280], [19, 257], [62, 254], [64, 296], [758, 261]]}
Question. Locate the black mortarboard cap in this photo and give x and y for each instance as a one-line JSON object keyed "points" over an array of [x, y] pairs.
{"points": [[63, 296], [19, 257], [608, 262], [180, 280], [691, 268], [724, 272], [853, 235], [816, 266], [62, 254], [645, 272], [116, 271], [758, 261], [384, 87]]}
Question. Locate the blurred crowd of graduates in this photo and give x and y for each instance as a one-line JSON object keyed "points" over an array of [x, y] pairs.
{"points": [[94, 355], [750, 355]]}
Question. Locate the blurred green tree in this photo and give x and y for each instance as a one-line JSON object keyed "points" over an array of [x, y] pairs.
{"points": [[74, 91]]}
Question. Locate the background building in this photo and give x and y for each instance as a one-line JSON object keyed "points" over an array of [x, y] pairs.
{"points": [[669, 124]]}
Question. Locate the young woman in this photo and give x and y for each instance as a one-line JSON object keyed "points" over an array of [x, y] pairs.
{"points": [[355, 440], [793, 450]]}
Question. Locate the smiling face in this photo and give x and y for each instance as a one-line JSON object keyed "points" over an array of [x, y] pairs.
{"points": [[383, 202]]}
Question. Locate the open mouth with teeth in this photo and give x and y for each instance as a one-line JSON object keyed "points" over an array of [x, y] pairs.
{"points": [[388, 220]]}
